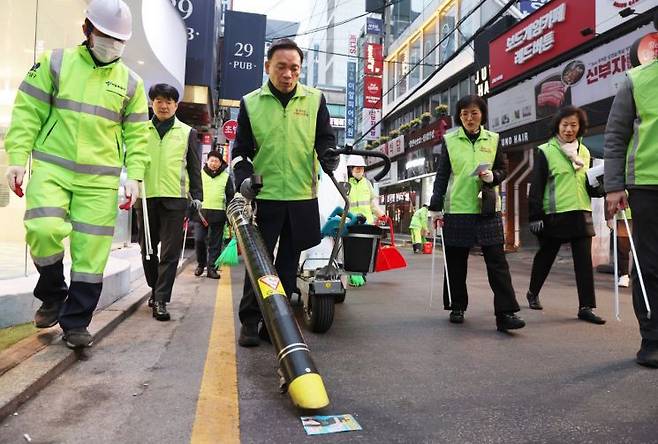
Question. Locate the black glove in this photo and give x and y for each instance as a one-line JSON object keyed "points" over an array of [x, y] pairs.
{"points": [[249, 189], [329, 161]]}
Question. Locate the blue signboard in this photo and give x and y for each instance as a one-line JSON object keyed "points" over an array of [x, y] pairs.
{"points": [[243, 54], [374, 26], [530, 6], [350, 103]]}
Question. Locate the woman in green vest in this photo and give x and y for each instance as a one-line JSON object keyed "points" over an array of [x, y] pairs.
{"points": [[217, 192], [560, 208], [466, 203]]}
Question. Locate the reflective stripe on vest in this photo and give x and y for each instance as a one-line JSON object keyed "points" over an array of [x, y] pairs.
{"points": [[167, 175], [565, 187], [463, 188], [361, 195], [285, 142], [642, 152], [214, 189]]}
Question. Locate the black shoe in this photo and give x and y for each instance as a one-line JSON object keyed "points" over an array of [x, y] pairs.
{"points": [[262, 332], [509, 321], [457, 316], [586, 314], [77, 338], [151, 299], [212, 273], [248, 336], [47, 315], [199, 270], [160, 311], [533, 301], [648, 354]]}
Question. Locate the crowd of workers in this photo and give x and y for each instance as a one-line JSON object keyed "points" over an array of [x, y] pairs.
{"points": [[75, 136]]}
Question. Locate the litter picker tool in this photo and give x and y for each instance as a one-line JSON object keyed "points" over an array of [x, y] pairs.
{"points": [[147, 227], [445, 264], [637, 265], [433, 267], [186, 223], [615, 265]]}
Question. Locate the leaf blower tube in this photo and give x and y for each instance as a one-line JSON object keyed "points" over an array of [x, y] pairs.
{"points": [[305, 385]]}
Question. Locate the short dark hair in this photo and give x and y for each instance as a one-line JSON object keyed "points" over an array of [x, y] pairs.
{"points": [[284, 44], [467, 101], [163, 90], [567, 111], [215, 153]]}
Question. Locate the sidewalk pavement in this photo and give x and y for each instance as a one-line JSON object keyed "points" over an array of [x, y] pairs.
{"points": [[29, 365]]}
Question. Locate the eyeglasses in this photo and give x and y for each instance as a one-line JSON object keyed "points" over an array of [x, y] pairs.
{"points": [[466, 114]]}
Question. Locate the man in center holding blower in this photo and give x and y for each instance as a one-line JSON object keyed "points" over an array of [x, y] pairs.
{"points": [[283, 136]]}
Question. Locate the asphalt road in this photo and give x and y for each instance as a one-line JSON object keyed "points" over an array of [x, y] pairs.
{"points": [[404, 372]]}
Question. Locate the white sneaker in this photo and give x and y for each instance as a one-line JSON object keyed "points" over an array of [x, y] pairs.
{"points": [[624, 281]]}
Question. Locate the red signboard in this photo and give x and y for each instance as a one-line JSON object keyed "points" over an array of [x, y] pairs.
{"points": [[374, 60], [372, 92], [553, 30], [230, 129]]}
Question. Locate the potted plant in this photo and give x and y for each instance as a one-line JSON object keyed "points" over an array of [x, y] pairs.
{"points": [[375, 143], [369, 146], [441, 110], [425, 118], [415, 123], [384, 139], [393, 134], [404, 128]]}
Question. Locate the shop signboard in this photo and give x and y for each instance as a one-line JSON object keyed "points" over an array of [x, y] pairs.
{"points": [[529, 6], [350, 102], [428, 136], [374, 26], [372, 92], [369, 119], [588, 78], [550, 31], [395, 147], [607, 12], [374, 60], [243, 54]]}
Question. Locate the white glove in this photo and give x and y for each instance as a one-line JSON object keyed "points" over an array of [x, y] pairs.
{"points": [[437, 218], [15, 176], [196, 204], [131, 189], [487, 176]]}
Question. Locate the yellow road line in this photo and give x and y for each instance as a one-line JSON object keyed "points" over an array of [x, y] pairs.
{"points": [[217, 416]]}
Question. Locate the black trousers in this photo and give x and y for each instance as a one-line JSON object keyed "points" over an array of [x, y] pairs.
{"points": [[208, 242], [581, 251], [645, 237], [166, 229], [80, 299], [498, 273], [286, 264]]}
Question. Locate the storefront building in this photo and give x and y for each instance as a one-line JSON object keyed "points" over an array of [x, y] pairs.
{"points": [[156, 52], [569, 52]]}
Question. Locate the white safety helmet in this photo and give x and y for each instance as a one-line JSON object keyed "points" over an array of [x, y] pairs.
{"points": [[111, 17], [355, 161]]}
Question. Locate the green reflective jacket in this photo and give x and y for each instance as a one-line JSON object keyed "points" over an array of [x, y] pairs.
{"points": [[78, 116], [167, 174], [566, 188], [420, 219], [285, 142], [214, 189], [361, 195]]}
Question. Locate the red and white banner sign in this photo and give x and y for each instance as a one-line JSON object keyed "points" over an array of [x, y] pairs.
{"points": [[540, 37], [372, 92], [374, 60], [352, 46], [230, 129]]}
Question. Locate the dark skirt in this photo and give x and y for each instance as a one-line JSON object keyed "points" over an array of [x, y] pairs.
{"points": [[568, 225], [468, 230]]}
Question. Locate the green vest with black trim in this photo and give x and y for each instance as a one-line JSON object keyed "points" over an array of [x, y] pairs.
{"points": [[214, 189], [463, 187], [642, 152], [566, 188], [285, 142], [75, 117], [361, 195], [167, 175]]}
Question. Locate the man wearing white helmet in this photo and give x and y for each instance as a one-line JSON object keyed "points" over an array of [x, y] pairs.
{"points": [[82, 115], [363, 200]]}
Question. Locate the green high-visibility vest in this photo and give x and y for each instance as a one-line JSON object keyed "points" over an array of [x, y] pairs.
{"points": [[463, 188], [420, 219], [642, 153], [361, 196], [285, 142], [214, 189], [74, 116], [167, 175], [566, 187]]}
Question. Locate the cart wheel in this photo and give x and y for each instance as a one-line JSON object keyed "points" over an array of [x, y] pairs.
{"points": [[319, 313], [340, 298]]}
